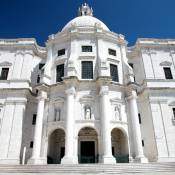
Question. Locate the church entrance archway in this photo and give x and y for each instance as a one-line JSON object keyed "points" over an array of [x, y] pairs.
{"points": [[88, 145], [119, 146], [56, 147]]}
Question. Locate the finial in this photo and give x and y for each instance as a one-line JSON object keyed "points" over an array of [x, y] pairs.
{"points": [[85, 10]]}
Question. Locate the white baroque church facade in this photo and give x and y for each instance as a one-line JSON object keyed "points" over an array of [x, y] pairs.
{"points": [[86, 97]]}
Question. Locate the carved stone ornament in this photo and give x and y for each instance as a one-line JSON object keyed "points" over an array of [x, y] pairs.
{"points": [[5, 63], [117, 112], [87, 112], [165, 63]]}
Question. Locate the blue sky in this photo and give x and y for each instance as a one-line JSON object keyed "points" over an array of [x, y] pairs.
{"points": [[132, 18]]}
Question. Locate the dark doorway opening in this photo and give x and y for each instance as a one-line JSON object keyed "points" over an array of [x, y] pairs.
{"points": [[56, 147], [87, 152]]}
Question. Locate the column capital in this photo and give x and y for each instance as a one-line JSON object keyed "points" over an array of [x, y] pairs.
{"points": [[132, 95], [70, 91], [104, 90], [42, 95], [104, 80]]}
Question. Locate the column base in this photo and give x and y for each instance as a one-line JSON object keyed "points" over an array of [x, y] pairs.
{"points": [[10, 161], [131, 160], [37, 161], [69, 160], [141, 160], [108, 160]]}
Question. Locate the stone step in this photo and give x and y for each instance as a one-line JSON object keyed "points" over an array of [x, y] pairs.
{"points": [[89, 168]]}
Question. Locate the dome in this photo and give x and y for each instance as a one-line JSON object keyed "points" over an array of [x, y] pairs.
{"points": [[85, 19]]}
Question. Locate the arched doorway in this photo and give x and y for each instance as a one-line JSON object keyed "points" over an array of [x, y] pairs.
{"points": [[56, 147], [119, 146], [88, 145]]}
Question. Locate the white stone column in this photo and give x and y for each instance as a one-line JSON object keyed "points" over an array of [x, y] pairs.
{"points": [[107, 157], [69, 157], [132, 104], [36, 157]]}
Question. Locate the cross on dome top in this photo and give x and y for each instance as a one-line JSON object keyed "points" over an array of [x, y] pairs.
{"points": [[85, 10]]}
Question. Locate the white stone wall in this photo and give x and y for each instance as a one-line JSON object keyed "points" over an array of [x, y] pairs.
{"points": [[155, 98]]}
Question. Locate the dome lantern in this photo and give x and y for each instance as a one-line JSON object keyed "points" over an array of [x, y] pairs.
{"points": [[85, 10]]}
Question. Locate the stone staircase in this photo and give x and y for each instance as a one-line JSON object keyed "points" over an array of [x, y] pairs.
{"points": [[90, 169]]}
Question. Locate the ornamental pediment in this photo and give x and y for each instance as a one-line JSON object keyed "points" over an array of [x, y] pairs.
{"points": [[5, 63], [165, 63]]}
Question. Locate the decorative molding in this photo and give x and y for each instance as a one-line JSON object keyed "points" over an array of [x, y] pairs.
{"points": [[58, 100], [116, 101], [86, 98], [87, 57], [5, 63], [113, 60], [165, 63], [172, 103]]}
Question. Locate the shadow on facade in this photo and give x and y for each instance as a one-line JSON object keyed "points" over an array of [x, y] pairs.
{"points": [[56, 147], [119, 146]]}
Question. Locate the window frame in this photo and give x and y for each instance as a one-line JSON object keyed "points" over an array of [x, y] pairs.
{"points": [[41, 65], [61, 52], [1, 71], [140, 119], [92, 70], [61, 77], [34, 117], [170, 76], [117, 77], [173, 109], [112, 52], [31, 144], [84, 47]]}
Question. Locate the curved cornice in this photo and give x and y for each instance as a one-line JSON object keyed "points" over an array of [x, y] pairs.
{"points": [[79, 32]]}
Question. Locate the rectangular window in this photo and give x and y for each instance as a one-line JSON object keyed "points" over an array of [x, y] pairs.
{"points": [[34, 119], [140, 121], [112, 52], [86, 48], [4, 73], [61, 52], [168, 74], [131, 64], [143, 143], [87, 69], [59, 72], [41, 65], [38, 79], [31, 144], [114, 72], [173, 113]]}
